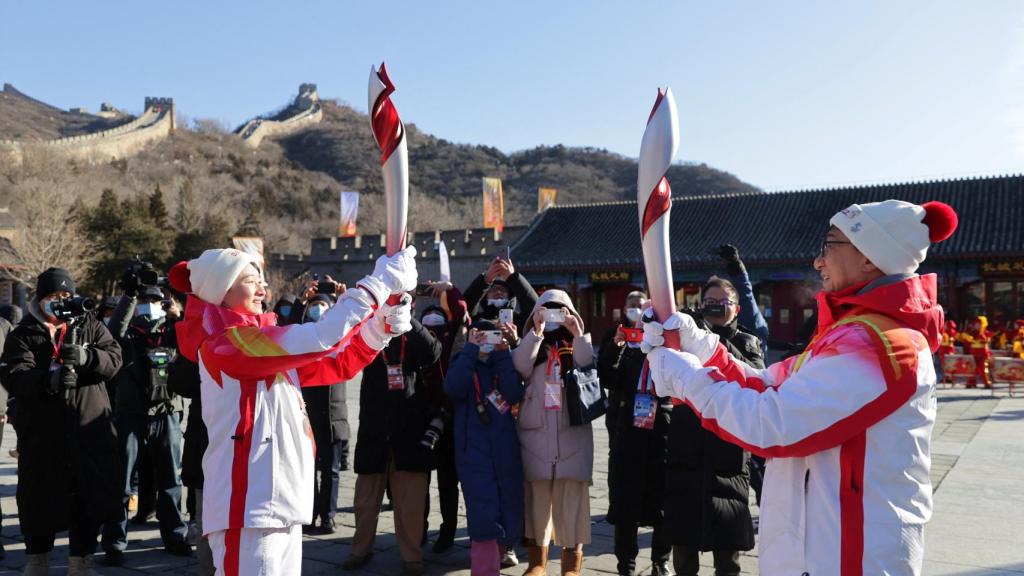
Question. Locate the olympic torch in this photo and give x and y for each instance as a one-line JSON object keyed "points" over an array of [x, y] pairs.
{"points": [[389, 132], [654, 205]]}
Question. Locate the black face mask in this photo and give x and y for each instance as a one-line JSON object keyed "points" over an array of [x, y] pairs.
{"points": [[562, 334]]}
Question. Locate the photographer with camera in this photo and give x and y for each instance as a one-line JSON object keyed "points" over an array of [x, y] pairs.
{"points": [[398, 429], [147, 415], [501, 287], [55, 363]]}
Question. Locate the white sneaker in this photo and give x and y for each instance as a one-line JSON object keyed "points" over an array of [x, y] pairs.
{"points": [[509, 558]]}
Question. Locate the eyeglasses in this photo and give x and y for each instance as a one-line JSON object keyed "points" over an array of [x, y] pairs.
{"points": [[826, 243], [722, 302]]}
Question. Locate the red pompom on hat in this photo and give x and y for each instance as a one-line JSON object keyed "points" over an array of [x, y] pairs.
{"points": [[180, 278], [941, 220]]}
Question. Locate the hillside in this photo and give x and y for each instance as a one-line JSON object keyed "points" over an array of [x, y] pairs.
{"points": [[212, 181], [449, 174], [27, 119]]}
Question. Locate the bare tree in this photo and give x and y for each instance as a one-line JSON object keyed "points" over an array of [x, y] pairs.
{"points": [[48, 233]]}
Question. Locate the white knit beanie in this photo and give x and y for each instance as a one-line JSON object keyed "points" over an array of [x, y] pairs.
{"points": [[212, 274], [894, 235]]}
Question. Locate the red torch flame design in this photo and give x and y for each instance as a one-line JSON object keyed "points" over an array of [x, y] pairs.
{"points": [[388, 129]]}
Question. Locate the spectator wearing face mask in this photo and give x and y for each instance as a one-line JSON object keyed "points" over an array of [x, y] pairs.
{"points": [[484, 386], [706, 509], [283, 308], [327, 409], [638, 449], [611, 349], [749, 314], [68, 464], [446, 321], [147, 417], [558, 459], [498, 288]]}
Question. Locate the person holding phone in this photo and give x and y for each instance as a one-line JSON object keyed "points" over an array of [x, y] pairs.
{"points": [[501, 287], [558, 459], [623, 334], [483, 385], [638, 448]]}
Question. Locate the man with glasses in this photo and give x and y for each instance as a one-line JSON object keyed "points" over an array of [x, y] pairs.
{"points": [[847, 424]]}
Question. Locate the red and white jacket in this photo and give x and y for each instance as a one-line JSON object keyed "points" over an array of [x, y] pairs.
{"points": [[258, 468], [846, 427]]}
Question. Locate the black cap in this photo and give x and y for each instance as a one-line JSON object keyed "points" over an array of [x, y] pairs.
{"points": [[52, 281], [151, 292]]}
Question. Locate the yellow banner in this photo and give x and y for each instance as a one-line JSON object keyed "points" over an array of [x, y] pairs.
{"points": [[494, 204], [349, 214], [545, 198]]}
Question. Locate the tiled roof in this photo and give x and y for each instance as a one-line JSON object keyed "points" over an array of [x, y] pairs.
{"points": [[778, 227]]}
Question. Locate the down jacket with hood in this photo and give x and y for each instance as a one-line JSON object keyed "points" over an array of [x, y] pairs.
{"points": [[846, 427], [552, 449]]}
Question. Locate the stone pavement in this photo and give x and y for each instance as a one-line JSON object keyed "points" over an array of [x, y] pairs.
{"points": [[977, 530]]}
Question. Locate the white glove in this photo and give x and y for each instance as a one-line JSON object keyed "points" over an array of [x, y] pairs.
{"points": [[398, 272], [386, 322], [676, 373], [691, 338]]}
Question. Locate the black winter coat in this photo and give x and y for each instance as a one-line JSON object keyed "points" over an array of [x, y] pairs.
{"points": [[67, 443], [394, 421], [327, 409], [183, 380], [708, 479], [636, 467]]}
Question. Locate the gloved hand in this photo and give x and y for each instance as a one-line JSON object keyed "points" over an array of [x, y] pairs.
{"points": [[398, 272], [74, 355], [391, 275], [731, 256], [729, 253], [676, 373], [692, 338], [386, 322]]}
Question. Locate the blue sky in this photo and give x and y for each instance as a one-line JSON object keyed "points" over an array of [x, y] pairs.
{"points": [[783, 94]]}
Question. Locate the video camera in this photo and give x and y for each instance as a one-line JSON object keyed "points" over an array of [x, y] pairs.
{"points": [[72, 308], [140, 273]]}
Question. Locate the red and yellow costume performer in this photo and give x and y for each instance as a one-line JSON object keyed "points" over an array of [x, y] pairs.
{"points": [[976, 343], [948, 342], [1017, 342]]}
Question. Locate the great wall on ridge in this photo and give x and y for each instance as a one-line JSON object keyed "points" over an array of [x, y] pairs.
{"points": [[156, 122]]}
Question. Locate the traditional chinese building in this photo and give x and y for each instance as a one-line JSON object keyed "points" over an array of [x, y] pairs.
{"points": [[594, 250]]}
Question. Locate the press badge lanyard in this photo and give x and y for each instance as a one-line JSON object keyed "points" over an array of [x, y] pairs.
{"points": [[644, 404], [553, 381], [396, 378], [60, 342]]}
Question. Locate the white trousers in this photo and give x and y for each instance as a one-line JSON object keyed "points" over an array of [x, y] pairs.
{"points": [[258, 551]]}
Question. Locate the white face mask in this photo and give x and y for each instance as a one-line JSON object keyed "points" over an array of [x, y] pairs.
{"points": [[497, 302], [434, 320], [315, 313], [486, 348], [552, 326], [151, 311], [633, 314], [106, 321]]}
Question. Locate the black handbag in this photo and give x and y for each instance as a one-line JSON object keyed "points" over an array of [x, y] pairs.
{"points": [[585, 400]]}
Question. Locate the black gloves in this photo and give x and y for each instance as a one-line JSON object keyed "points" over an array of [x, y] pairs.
{"points": [[74, 355], [731, 256]]}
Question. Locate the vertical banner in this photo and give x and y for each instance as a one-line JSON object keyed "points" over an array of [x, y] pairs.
{"points": [[349, 214], [250, 245], [494, 204], [445, 267], [545, 198]]}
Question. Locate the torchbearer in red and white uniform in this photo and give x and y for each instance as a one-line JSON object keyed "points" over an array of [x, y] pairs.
{"points": [[258, 468], [846, 425]]}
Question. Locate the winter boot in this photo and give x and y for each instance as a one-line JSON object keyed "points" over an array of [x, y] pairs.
{"points": [[538, 556], [36, 565], [484, 558], [572, 562], [80, 566]]}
